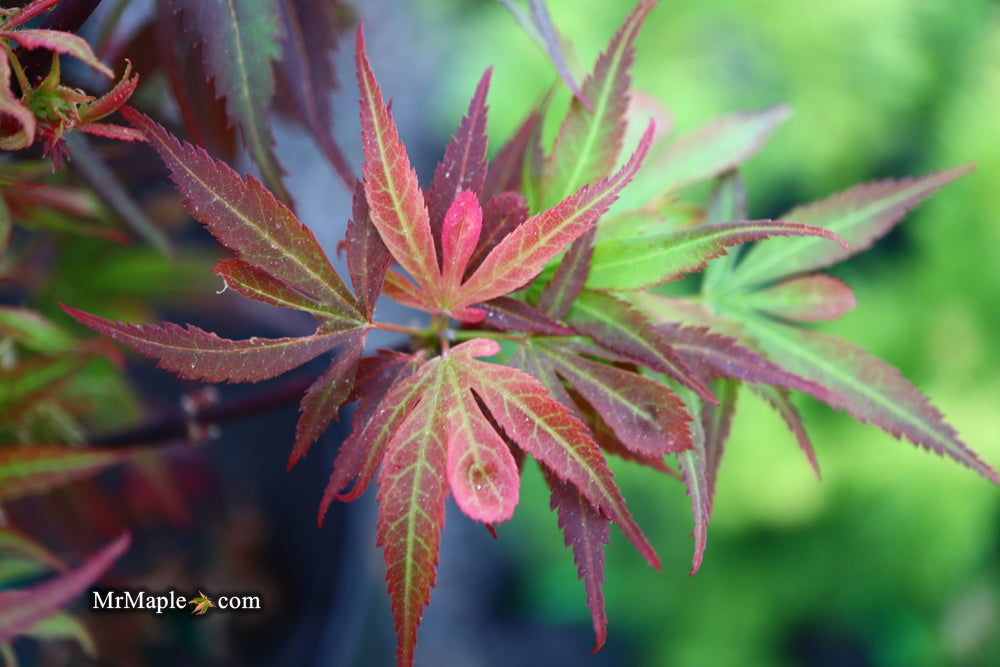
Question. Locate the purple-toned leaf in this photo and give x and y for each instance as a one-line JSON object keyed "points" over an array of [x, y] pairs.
{"points": [[558, 295], [861, 215], [508, 314], [363, 450], [246, 218], [367, 256], [713, 356], [520, 256], [501, 215], [716, 422], [586, 532], [811, 298], [868, 388], [505, 171], [196, 354], [305, 73], [35, 469], [632, 263], [539, 26], [255, 283], [325, 396], [58, 41], [621, 328], [240, 42], [778, 399], [463, 167], [645, 415], [590, 137], [694, 469], [21, 609]]}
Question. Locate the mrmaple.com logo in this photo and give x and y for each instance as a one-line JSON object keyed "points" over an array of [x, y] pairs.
{"points": [[157, 603]]}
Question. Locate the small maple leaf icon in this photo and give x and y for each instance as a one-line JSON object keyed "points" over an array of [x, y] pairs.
{"points": [[202, 603]]}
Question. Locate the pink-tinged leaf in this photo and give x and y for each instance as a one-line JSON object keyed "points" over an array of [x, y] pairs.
{"points": [[28, 12], [246, 218], [508, 314], [716, 422], [196, 354], [547, 430], [394, 197], [11, 106], [586, 532], [811, 298], [21, 609], [632, 263], [58, 41], [590, 137], [306, 75], [717, 147], [501, 215], [112, 100], [401, 290], [463, 223], [463, 167], [713, 356], [522, 254], [324, 397], [109, 131], [363, 450], [481, 470], [861, 215], [778, 399], [694, 469], [30, 470], [14, 541], [868, 388], [255, 283], [645, 415], [240, 42], [367, 257], [558, 295], [504, 173], [412, 488], [621, 328]]}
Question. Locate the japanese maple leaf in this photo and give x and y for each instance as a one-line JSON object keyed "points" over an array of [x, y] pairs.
{"points": [[202, 604]]}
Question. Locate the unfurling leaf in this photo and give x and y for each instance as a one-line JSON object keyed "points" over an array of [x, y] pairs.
{"points": [[861, 216], [520, 256], [637, 263], [240, 42], [22, 608]]}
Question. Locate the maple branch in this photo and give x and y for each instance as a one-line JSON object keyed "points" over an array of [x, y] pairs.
{"points": [[180, 423]]}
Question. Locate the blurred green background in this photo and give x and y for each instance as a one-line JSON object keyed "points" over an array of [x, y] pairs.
{"points": [[892, 559]]}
